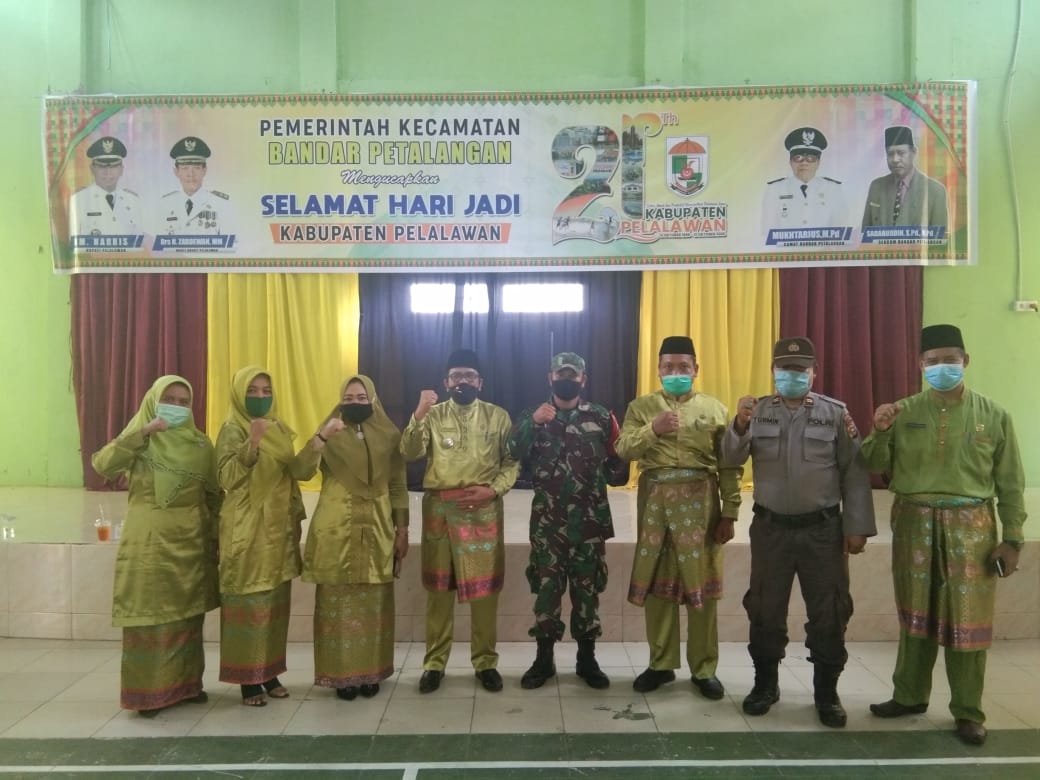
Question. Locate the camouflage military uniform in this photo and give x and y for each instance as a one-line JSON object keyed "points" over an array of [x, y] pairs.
{"points": [[570, 517]]}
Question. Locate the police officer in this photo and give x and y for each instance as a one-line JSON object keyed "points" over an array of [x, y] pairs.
{"points": [[568, 443], [804, 199], [813, 506], [191, 210], [104, 208]]}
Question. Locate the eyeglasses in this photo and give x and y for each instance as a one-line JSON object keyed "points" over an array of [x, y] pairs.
{"points": [[463, 376], [805, 158]]}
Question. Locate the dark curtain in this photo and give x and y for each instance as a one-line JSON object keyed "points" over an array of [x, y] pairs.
{"points": [[128, 330], [405, 352], [866, 325]]}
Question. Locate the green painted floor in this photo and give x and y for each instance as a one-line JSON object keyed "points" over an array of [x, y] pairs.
{"points": [[1007, 755]]}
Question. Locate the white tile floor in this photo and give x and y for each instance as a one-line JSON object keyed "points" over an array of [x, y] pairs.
{"points": [[54, 688]]}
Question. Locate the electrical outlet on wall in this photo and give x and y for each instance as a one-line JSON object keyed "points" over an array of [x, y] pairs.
{"points": [[1032, 306]]}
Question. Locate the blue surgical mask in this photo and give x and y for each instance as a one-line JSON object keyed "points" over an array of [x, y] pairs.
{"points": [[944, 376], [173, 415], [677, 384], [791, 384]]}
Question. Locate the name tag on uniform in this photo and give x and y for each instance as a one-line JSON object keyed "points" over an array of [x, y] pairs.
{"points": [[786, 197]]}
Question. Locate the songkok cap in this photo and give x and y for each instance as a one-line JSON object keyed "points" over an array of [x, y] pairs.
{"points": [[899, 134], [107, 150], [805, 140], [939, 336], [798, 350], [190, 150], [463, 358], [570, 360], [677, 345]]}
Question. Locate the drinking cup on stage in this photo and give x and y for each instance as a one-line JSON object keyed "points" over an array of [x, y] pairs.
{"points": [[104, 529]]}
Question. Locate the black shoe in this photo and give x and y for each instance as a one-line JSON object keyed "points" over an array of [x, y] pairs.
{"points": [[893, 709], [592, 675], [652, 679], [490, 679], [368, 691], [347, 694], [543, 667], [536, 676], [832, 714], [760, 700], [971, 732], [149, 713], [430, 680], [200, 698], [710, 687], [587, 668]]}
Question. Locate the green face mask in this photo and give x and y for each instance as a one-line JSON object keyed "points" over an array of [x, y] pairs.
{"points": [[259, 406]]}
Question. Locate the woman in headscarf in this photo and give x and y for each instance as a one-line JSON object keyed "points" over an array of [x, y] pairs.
{"points": [[259, 533], [356, 541], [166, 566]]}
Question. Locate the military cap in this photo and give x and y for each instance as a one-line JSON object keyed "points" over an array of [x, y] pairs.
{"points": [[805, 140], [939, 336], [677, 345], [570, 360], [899, 134], [798, 350], [463, 358], [107, 150], [190, 150]]}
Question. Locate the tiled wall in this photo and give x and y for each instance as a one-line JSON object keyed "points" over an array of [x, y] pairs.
{"points": [[65, 591]]}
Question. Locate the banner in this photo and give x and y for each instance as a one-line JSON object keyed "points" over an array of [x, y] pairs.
{"points": [[655, 178]]}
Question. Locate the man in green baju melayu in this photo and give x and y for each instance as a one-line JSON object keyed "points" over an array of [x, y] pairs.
{"points": [[953, 461]]}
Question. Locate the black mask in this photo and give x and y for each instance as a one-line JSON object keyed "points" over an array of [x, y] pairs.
{"points": [[566, 389], [355, 413], [464, 394]]}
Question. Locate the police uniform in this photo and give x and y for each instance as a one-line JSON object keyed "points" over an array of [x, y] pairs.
{"points": [[812, 489], [791, 203], [96, 211], [204, 212]]}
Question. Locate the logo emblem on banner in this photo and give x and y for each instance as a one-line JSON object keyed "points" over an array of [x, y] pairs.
{"points": [[686, 164]]}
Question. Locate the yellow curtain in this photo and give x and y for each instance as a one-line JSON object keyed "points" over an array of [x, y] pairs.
{"points": [[733, 317], [302, 327]]}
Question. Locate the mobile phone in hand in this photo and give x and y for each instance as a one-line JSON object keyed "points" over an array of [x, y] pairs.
{"points": [[999, 567]]}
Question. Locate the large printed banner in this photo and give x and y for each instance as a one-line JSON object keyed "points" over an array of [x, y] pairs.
{"points": [[657, 178]]}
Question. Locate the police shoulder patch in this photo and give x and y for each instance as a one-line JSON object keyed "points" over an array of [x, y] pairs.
{"points": [[220, 194], [850, 426]]}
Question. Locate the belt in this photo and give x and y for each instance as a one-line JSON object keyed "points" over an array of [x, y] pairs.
{"points": [[798, 521]]}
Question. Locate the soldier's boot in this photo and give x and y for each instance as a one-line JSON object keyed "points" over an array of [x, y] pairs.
{"points": [[543, 667], [766, 691], [825, 695], [587, 668]]}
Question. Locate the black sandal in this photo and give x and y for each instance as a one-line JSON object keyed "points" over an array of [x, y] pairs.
{"points": [[253, 696], [275, 689]]}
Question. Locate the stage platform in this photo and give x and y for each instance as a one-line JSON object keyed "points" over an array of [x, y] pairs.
{"points": [[56, 577]]}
